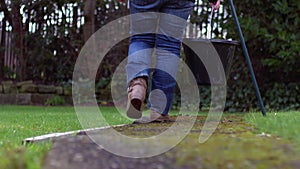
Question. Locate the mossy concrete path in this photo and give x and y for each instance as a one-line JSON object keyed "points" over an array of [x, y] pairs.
{"points": [[234, 145]]}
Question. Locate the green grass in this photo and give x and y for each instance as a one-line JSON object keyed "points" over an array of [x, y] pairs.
{"points": [[283, 124], [20, 122]]}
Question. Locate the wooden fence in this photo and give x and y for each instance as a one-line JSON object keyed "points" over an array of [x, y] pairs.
{"points": [[65, 21]]}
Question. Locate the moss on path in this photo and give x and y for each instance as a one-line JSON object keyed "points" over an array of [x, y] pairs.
{"points": [[234, 145]]}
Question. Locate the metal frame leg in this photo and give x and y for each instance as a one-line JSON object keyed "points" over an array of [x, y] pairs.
{"points": [[247, 58]]}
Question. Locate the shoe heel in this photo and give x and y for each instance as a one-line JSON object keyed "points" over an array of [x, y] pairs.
{"points": [[135, 108]]}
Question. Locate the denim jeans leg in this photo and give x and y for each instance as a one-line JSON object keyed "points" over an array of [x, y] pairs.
{"points": [[142, 41], [139, 60], [167, 42], [168, 45]]}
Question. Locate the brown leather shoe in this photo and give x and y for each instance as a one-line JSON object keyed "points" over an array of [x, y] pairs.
{"points": [[156, 117], [136, 96]]}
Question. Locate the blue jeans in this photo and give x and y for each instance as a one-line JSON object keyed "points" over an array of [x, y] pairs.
{"points": [[157, 28]]}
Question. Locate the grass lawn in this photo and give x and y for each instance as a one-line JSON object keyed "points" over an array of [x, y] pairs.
{"points": [[283, 124], [20, 122]]}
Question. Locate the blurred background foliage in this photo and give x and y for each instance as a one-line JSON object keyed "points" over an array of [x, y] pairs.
{"points": [[271, 32], [41, 40]]}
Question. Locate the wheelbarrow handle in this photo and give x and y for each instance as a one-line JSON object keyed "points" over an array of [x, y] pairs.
{"points": [[211, 23]]}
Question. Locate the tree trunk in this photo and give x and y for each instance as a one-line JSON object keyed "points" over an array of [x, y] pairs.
{"points": [[2, 49], [18, 35], [88, 65], [89, 18], [7, 17]]}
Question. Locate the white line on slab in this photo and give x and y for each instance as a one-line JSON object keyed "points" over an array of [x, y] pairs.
{"points": [[56, 135]]}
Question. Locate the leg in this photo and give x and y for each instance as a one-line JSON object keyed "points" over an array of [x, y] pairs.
{"points": [[168, 44], [142, 42]]}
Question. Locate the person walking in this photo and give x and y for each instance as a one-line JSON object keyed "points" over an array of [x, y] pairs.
{"points": [[156, 29]]}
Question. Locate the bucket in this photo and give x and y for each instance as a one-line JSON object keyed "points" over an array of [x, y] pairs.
{"points": [[203, 47]]}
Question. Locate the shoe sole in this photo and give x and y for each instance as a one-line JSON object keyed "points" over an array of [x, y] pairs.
{"points": [[135, 109], [145, 120]]}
